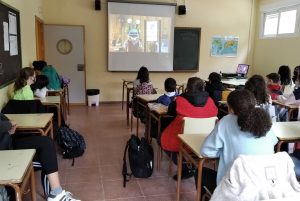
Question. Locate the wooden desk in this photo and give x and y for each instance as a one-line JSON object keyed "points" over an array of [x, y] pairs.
{"points": [[156, 111], [290, 108], [53, 101], [125, 85], [64, 99], [143, 100], [39, 122], [286, 132], [234, 82], [129, 90], [16, 170], [193, 142]]}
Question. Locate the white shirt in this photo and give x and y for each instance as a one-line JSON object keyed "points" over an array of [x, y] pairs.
{"points": [[41, 93]]}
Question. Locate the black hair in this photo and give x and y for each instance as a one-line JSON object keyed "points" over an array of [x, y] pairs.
{"points": [[170, 84], [143, 75], [39, 65], [41, 81], [250, 119], [296, 74], [194, 85], [24, 75], [257, 85], [274, 77], [214, 77], [285, 74]]}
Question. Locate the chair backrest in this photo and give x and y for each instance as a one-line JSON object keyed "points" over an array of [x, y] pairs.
{"points": [[259, 177], [23, 107], [224, 95], [198, 125]]}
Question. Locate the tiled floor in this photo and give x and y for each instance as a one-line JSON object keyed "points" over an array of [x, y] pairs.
{"points": [[97, 174]]}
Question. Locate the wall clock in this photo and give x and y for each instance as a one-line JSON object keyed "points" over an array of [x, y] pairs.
{"points": [[64, 46]]}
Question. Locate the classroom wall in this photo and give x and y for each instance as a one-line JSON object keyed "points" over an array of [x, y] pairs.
{"points": [[271, 53], [225, 18], [28, 10]]}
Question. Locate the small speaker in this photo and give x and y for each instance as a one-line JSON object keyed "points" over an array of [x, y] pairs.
{"points": [[97, 5], [181, 10]]}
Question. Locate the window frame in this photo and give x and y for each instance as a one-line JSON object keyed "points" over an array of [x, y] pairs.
{"points": [[278, 11]]}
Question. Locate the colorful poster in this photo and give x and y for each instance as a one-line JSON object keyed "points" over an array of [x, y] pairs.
{"points": [[224, 46]]}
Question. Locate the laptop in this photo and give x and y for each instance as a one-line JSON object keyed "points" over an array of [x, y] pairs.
{"points": [[242, 70]]}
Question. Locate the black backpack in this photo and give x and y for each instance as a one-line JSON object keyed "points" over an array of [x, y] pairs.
{"points": [[71, 142], [140, 154]]}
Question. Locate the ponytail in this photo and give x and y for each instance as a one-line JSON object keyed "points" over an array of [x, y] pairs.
{"points": [[255, 120], [24, 75]]}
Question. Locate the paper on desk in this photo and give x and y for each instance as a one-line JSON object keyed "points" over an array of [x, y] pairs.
{"points": [[155, 106]]}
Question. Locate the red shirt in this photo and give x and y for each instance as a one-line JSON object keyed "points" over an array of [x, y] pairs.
{"points": [[169, 138]]}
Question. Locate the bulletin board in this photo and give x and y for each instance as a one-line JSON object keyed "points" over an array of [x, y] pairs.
{"points": [[10, 44]]}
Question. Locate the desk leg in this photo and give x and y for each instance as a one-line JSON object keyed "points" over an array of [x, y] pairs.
{"points": [[179, 170], [58, 115], [137, 117], [51, 129], [68, 98], [159, 151], [199, 179], [32, 185], [148, 125], [42, 132], [127, 106], [137, 126], [123, 93], [18, 192]]}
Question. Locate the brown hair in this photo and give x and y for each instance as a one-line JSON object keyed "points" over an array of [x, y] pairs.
{"points": [[194, 85], [257, 85], [24, 75], [250, 119]]}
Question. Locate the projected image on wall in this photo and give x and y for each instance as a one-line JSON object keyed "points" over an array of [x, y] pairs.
{"points": [[145, 34]]}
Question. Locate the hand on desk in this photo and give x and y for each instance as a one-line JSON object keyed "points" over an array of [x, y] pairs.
{"points": [[13, 127]]}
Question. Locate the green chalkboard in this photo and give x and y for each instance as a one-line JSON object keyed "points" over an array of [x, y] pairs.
{"points": [[10, 44], [186, 49]]}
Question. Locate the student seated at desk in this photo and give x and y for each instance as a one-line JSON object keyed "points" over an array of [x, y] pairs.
{"points": [[287, 84], [22, 90], [194, 102], [170, 95], [45, 154], [245, 130], [273, 85], [257, 86], [142, 84], [41, 67], [294, 97], [39, 88], [214, 87]]}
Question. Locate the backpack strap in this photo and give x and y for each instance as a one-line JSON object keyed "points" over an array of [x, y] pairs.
{"points": [[124, 169]]}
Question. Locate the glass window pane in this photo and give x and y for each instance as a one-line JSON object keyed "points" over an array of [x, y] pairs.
{"points": [[271, 23], [287, 22]]}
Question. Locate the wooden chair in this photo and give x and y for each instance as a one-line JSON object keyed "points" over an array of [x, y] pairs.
{"points": [[180, 88], [201, 126]]}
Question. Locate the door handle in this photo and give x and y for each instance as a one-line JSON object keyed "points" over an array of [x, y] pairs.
{"points": [[80, 67]]}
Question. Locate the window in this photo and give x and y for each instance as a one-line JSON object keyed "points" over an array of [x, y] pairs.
{"points": [[282, 22]]}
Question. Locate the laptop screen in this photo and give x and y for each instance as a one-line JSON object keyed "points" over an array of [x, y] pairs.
{"points": [[242, 69]]}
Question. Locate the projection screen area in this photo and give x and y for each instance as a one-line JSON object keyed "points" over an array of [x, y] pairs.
{"points": [[140, 35]]}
